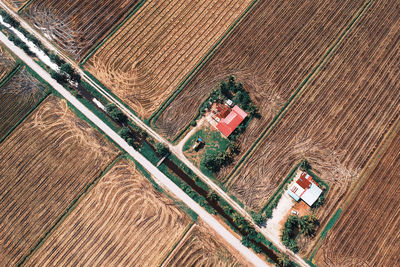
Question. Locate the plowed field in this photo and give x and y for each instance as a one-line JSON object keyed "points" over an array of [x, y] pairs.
{"points": [[76, 25], [17, 97], [44, 164], [338, 122], [123, 221], [270, 52], [148, 57], [201, 247], [6, 62], [368, 232]]}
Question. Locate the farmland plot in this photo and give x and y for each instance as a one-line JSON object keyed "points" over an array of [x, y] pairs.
{"points": [[122, 221], [270, 52], [76, 25], [6, 62], [44, 164], [368, 232], [339, 120], [17, 97], [148, 57], [201, 247]]}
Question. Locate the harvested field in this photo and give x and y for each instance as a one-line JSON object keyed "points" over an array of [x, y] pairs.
{"points": [[17, 97], [202, 247], [270, 52], [339, 120], [122, 221], [6, 62], [147, 58], [76, 25], [368, 232], [16, 4], [45, 164]]}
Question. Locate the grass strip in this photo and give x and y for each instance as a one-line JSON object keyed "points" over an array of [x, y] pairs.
{"points": [[69, 209]]}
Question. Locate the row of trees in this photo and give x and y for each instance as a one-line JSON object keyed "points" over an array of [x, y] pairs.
{"points": [[295, 225]]}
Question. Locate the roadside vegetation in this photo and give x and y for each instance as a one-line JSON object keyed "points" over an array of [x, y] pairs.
{"points": [[295, 226]]}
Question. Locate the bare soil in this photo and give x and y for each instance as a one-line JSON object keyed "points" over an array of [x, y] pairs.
{"points": [[147, 58], [271, 52], [45, 164]]}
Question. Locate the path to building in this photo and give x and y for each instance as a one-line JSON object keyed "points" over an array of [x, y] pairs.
{"points": [[161, 179], [177, 150]]}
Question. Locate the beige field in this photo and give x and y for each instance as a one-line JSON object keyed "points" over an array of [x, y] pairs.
{"points": [[7, 62], [147, 58], [122, 221], [203, 247], [44, 164]]}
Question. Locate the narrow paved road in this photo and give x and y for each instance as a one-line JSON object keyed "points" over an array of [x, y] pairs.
{"points": [[161, 179], [177, 150]]}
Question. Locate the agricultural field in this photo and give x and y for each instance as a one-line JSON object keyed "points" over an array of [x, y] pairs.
{"points": [[7, 62], [122, 221], [147, 58], [16, 4], [76, 25], [202, 247], [17, 97], [368, 231], [45, 164], [270, 52], [339, 120]]}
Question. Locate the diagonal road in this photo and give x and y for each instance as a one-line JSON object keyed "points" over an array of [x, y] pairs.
{"points": [[177, 149], [159, 177]]}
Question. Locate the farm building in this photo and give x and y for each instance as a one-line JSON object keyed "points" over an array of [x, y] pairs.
{"points": [[305, 189], [229, 123]]}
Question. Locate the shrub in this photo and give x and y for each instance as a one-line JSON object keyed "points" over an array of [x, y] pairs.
{"points": [[116, 114], [162, 149]]}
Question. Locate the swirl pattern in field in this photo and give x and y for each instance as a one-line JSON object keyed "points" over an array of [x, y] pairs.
{"points": [[45, 163], [122, 221]]}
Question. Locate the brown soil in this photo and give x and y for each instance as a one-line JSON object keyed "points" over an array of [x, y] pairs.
{"points": [[203, 247], [44, 164], [122, 221], [15, 4], [76, 25], [368, 231], [339, 121], [147, 58], [17, 97], [270, 52]]}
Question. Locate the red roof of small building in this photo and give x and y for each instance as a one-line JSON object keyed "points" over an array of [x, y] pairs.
{"points": [[228, 124], [223, 110], [303, 181]]}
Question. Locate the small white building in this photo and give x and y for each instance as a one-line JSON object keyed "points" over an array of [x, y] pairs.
{"points": [[305, 189]]}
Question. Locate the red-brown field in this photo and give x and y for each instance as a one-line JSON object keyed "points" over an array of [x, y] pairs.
{"points": [[44, 164], [339, 120], [122, 221], [270, 52], [202, 247], [368, 231], [76, 25], [147, 58], [17, 97]]}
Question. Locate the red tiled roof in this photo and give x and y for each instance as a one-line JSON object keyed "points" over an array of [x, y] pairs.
{"points": [[303, 181], [232, 121]]}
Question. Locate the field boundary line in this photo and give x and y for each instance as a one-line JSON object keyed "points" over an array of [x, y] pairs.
{"points": [[187, 231], [299, 91], [111, 32], [21, 9], [17, 67], [73, 204], [201, 63]]}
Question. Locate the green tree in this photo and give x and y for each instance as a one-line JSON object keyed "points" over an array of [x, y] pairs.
{"points": [[58, 77], [305, 165], [284, 260], [116, 113], [162, 149], [258, 218], [213, 196]]}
